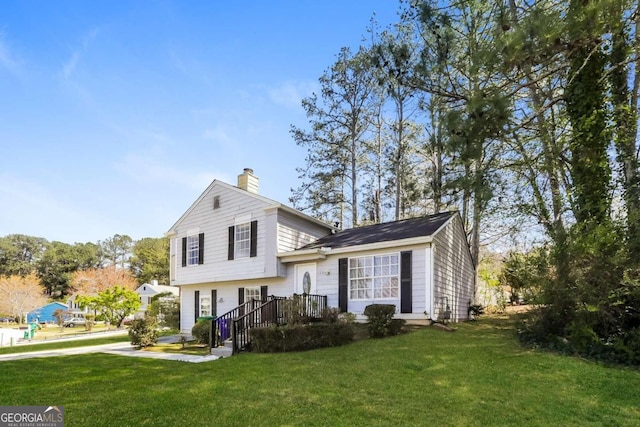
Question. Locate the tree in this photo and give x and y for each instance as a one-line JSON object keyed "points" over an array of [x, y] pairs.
{"points": [[95, 280], [165, 307], [150, 260], [20, 294], [335, 143], [395, 59], [115, 304], [60, 261], [117, 249], [19, 254]]}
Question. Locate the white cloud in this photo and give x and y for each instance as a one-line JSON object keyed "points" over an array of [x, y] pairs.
{"points": [[290, 94], [146, 168], [69, 66], [7, 58], [218, 135]]}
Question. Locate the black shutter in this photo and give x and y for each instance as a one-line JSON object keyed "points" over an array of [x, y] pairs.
{"points": [[406, 305], [263, 293], [184, 251], [253, 251], [196, 306], [240, 296], [343, 284], [214, 302], [201, 248], [232, 237]]}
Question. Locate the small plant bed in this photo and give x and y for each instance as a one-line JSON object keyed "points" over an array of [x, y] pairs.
{"points": [[189, 348]]}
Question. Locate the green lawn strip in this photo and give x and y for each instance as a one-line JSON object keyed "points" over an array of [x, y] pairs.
{"points": [[478, 375], [26, 348]]}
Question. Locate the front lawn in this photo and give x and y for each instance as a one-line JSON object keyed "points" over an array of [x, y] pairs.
{"points": [[478, 375]]}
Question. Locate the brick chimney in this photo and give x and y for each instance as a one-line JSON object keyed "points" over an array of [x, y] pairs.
{"points": [[248, 181]]}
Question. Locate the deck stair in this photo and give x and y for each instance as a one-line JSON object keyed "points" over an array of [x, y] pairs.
{"points": [[231, 332]]}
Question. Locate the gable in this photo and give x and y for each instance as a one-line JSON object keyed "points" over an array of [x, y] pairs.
{"points": [[215, 196]]}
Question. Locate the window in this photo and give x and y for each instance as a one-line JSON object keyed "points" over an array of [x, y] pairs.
{"points": [[374, 277], [205, 306], [252, 293], [306, 283], [243, 240], [193, 249]]}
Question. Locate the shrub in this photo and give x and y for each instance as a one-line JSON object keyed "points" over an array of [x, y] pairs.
{"points": [[379, 316], [90, 320], [331, 315], [200, 331], [395, 326], [296, 337], [142, 332]]}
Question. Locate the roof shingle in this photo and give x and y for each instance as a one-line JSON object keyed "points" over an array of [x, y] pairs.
{"points": [[386, 232]]}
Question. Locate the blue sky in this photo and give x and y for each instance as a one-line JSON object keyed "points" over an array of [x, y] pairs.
{"points": [[116, 115]]}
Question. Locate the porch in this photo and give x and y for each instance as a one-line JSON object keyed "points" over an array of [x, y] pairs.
{"points": [[230, 333]]}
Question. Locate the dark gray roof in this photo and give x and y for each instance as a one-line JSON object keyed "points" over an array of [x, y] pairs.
{"points": [[386, 232]]}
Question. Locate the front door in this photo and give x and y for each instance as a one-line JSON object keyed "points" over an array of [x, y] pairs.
{"points": [[305, 279]]}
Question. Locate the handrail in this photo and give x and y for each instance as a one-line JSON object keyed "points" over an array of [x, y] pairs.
{"points": [[268, 313], [220, 326], [278, 311]]}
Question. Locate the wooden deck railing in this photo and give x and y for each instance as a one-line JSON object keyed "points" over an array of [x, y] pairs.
{"points": [[275, 311]]}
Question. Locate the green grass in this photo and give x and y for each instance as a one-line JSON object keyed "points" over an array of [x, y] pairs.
{"points": [[26, 348], [477, 376]]}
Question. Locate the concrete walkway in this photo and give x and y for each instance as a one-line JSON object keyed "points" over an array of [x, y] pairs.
{"points": [[120, 349]]}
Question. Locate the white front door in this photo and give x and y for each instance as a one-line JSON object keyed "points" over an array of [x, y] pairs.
{"points": [[305, 279]]}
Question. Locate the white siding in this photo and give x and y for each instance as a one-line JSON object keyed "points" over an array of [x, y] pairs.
{"points": [[228, 293], [328, 281], [453, 272], [202, 218], [294, 233]]}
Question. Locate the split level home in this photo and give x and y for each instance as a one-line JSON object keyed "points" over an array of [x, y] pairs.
{"points": [[233, 245]]}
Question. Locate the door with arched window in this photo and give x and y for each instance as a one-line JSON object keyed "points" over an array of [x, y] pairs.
{"points": [[305, 279]]}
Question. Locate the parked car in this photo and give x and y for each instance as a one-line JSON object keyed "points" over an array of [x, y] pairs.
{"points": [[74, 321]]}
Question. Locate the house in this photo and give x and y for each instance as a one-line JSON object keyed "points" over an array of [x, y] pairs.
{"points": [[149, 290], [45, 314], [233, 245]]}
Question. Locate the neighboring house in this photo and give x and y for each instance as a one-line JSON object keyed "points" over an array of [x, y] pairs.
{"points": [[149, 290], [44, 314], [233, 245]]}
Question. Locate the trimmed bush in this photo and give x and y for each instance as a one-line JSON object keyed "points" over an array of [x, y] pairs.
{"points": [[395, 326], [279, 339], [380, 316], [200, 331], [142, 332]]}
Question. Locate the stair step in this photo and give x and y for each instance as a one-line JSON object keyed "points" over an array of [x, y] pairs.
{"points": [[222, 351]]}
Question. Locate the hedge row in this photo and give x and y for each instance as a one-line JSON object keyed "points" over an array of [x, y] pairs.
{"points": [[278, 339]]}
